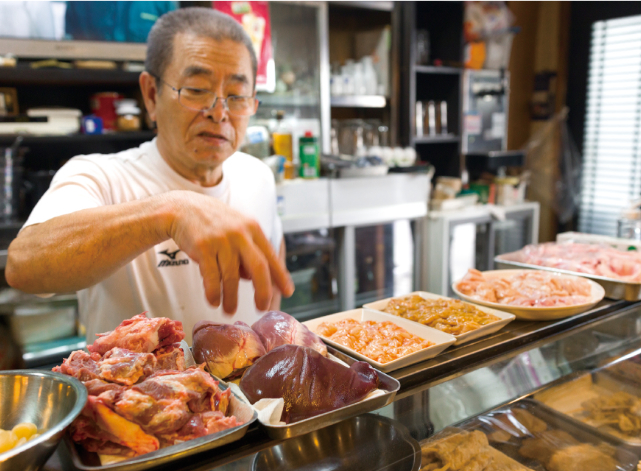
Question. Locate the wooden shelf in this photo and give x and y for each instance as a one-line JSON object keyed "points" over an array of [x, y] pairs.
{"points": [[139, 136], [24, 75], [436, 139], [359, 101], [433, 69]]}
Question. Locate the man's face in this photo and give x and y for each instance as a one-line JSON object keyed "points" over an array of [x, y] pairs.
{"points": [[202, 139]]}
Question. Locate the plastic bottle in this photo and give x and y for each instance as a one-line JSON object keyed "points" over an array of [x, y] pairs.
{"points": [[283, 138], [359, 80], [309, 156], [369, 76]]}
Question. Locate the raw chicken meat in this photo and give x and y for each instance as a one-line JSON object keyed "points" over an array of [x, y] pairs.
{"points": [[170, 357], [140, 334], [226, 349], [118, 429], [122, 366], [117, 365], [309, 383], [140, 400], [529, 288], [276, 328], [109, 393], [198, 426], [592, 259], [81, 365]]}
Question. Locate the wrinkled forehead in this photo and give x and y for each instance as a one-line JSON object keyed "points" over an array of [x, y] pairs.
{"points": [[201, 56]]}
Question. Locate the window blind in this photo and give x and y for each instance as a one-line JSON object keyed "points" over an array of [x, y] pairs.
{"points": [[612, 145]]}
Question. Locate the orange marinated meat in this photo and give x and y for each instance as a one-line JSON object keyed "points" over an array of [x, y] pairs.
{"points": [[381, 341], [448, 315]]}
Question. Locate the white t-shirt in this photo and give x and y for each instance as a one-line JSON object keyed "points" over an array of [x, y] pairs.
{"points": [[163, 280]]}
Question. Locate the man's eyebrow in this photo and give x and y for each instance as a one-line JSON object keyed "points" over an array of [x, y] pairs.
{"points": [[196, 70], [240, 78]]}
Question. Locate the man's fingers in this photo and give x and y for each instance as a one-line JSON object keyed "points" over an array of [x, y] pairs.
{"points": [[255, 264], [211, 280], [230, 272], [277, 269]]}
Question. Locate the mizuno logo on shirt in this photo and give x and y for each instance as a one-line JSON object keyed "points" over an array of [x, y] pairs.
{"points": [[172, 262]]}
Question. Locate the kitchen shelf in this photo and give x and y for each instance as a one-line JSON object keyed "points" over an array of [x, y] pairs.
{"points": [[380, 5], [287, 100], [436, 139], [434, 69], [24, 75], [359, 101], [139, 136]]}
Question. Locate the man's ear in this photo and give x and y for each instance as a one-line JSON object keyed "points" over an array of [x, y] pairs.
{"points": [[149, 89]]}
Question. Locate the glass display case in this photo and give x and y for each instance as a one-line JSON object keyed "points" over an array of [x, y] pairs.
{"points": [[384, 261], [311, 261], [473, 382]]}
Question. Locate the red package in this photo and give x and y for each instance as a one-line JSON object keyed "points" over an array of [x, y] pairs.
{"points": [[254, 16]]}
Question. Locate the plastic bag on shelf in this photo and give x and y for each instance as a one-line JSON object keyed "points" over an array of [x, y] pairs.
{"points": [[551, 155]]}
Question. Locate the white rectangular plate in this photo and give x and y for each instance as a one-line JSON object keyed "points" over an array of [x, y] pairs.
{"points": [[440, 339], [504, 317]]}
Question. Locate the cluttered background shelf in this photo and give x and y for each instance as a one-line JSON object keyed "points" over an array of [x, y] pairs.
{"points": [[25, 75]]}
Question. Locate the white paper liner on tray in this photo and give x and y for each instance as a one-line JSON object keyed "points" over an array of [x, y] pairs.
{"points": [[271, 410]]}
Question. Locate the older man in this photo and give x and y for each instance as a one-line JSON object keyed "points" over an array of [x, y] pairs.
{"points": [[164, 226]]}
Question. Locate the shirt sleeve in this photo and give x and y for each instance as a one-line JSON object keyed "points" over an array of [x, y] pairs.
{"points": [[79, 184]]}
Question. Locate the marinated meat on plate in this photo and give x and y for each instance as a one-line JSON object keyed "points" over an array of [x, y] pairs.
{"points": [[226, 349], [277, 328], [309, 383], [141, 396], [531, 288]]}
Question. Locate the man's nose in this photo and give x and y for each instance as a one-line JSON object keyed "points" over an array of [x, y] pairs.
{"points": [[218, 112]]}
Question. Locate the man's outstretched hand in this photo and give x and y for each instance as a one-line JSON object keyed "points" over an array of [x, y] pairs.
{"points": [[227, 246]]}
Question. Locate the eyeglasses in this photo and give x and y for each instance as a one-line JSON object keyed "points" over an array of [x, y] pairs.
{"points": [[197, 99]]}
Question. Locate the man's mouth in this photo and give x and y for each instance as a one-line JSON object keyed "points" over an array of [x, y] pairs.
{"points": [[213, 137]]}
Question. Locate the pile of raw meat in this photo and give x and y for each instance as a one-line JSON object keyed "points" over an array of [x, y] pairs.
{"points": [[278, 357], [141, 396], [529, 288], [592, 259]]}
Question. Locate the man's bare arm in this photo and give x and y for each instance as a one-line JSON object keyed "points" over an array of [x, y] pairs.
{"points": [[77, 250]]}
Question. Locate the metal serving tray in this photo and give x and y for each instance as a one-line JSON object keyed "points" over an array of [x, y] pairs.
{"points": [[627, 459], [389, 385], [74, 457], [368, 441], [604, 380], [614, 289]]}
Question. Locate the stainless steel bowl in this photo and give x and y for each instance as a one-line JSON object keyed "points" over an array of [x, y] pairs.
{"points": [[367, 442], [49, 400]]}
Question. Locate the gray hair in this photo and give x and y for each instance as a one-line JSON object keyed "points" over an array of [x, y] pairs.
{"points": [[194, 20]]}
